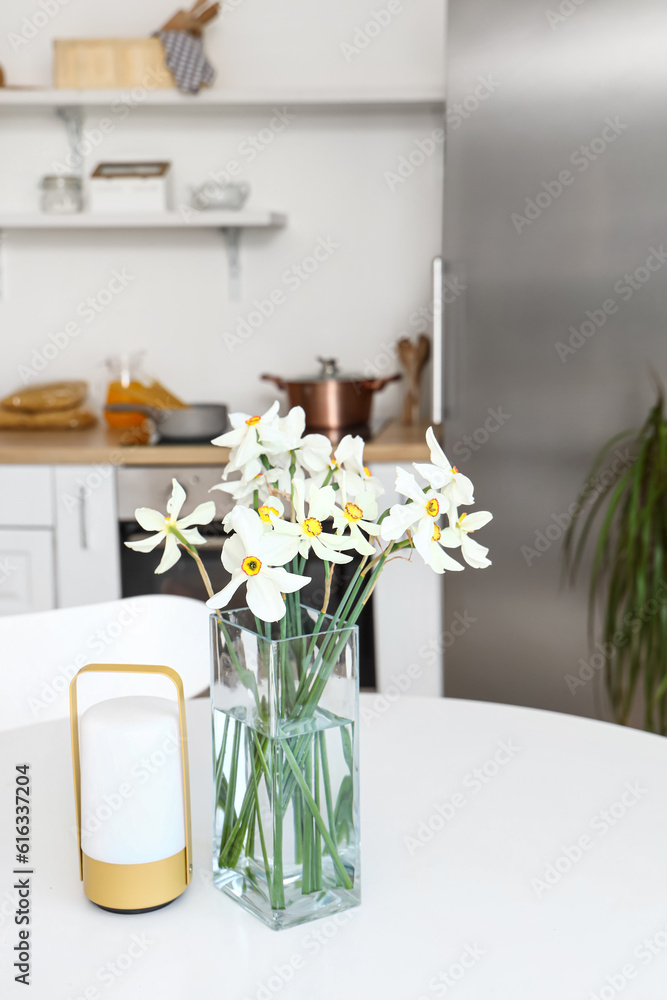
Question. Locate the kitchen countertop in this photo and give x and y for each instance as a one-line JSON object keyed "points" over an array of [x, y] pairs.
{"points": [[101, 444]]}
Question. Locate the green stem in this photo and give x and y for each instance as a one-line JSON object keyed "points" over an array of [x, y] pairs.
{"points": [[327, 783], [228, 822], [192, 551], [298, 827], [317, 848], [278, 894], [267, 869], [230, 849], [307, 883], [250, 839], [219, 768], [312, 805]]}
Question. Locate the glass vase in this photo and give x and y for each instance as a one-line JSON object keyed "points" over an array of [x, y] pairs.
{"points": [[285, 701]]}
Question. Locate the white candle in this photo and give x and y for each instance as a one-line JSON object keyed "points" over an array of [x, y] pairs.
{"points": [[132, 803]]}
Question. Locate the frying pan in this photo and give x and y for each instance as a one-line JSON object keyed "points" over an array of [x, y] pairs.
{"points": [[195, 424]]}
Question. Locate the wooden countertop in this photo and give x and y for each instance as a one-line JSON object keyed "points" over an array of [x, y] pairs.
{"points": [[102, 445]]}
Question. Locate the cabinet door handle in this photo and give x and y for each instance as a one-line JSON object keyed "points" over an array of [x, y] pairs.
{"points": [[437, 341], [83, 525]]}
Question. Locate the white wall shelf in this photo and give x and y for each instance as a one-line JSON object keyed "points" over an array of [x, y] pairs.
{"points": [[146, 220], [218, 99], [230, 224]]}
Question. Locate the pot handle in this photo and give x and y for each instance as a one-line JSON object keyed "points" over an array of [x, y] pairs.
{"points": [[375, 384], [155, 413], [280, 382]]}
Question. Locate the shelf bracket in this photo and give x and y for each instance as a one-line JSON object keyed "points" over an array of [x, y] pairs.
{"points": [[73, 119], [232, 236]]}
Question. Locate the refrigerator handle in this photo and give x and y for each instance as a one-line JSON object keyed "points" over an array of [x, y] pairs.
{"points": [[438, 342]]}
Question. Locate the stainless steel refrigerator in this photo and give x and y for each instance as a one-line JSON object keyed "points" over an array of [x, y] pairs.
{"points": [[555, 306]]}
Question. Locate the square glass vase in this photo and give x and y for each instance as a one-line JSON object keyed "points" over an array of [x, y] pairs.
{"points": [[285, 705]]}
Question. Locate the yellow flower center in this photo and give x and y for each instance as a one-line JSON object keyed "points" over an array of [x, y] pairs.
{"points": [[251, 565], [353, 512], [265, 513], [367, 471], [436, 533], [253, 420], [455, 470], [433, 507], [312, 527], [460, 524]]}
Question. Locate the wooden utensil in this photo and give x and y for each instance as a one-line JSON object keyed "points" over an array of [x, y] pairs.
{"points": [[194, 19], [413, 357]]}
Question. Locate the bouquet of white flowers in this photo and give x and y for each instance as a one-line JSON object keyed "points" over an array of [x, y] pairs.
{"points": [[275, 764]]}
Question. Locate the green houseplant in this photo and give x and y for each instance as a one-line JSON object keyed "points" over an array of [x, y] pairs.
{"points": [[627, 598]]}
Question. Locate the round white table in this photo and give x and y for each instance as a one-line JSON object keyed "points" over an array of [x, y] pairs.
{"points": [[506, 853]]}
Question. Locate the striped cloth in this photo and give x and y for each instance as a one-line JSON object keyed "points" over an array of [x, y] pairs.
{"points": [[186, 60]]}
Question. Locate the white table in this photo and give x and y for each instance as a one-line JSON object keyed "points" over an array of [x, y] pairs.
{"points": [[462, 906]]}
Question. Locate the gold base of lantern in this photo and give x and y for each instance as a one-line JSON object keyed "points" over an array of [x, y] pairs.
{"points": [[132, 888]]}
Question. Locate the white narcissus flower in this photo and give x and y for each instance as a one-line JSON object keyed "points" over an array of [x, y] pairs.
{"points": [[256, 557], [348, 469], [312, 451], [306, 531], [445, 477], [153, 520], [432, 552], [425, 508], [458, 533], [270, 508], [357, 516], [245, 441], [243, 490]]}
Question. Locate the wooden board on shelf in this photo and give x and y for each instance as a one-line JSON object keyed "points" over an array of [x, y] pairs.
{"points": [[106, 63]]}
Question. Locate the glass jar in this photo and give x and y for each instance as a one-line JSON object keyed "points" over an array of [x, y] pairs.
{"points": [[126, 377], [61, 195]]}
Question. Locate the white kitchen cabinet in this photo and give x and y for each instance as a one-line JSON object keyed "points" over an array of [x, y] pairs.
{"points": [[408, 610], [26, 570], [27, 575], [26, 496], [87, 545]]}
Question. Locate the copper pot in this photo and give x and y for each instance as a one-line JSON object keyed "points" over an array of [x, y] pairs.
{"points": [[332, 401]]}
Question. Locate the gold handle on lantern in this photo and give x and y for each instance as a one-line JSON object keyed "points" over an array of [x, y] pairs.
{"points": [[125, 668]]}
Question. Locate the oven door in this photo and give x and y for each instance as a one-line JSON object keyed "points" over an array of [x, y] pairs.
{"points": [[151, 487], [138, 569]]}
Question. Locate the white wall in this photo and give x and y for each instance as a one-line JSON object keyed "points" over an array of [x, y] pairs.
{"points": [[326, 170], [294, 43]]}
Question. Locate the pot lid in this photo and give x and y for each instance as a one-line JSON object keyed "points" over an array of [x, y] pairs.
{"points": [[329, 372]]}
